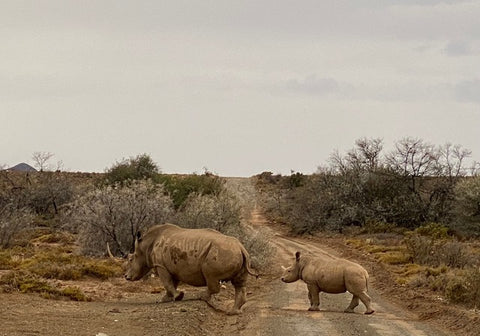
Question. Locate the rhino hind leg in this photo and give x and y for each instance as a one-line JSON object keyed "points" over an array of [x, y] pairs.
{"points": [[240, 299], [367, 302], [239, 283], [353, 304]]}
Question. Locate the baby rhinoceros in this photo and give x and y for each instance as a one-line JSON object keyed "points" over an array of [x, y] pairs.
{"points": [[330, 275]]}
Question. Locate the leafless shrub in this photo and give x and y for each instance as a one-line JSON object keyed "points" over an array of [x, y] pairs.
{"points": [[12, 222], [49, 191], [454, 254], [220, 212], [115, 214], [435, 252], [457, 286], [257, 243], [244, 190], [473, 286], [467, 207], [421, 249], [463, 287]]}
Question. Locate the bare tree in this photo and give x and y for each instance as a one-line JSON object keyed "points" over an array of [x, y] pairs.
{"points": [[451, 159], [41, 160], [369, 150], [413, 159], [364, 156]]}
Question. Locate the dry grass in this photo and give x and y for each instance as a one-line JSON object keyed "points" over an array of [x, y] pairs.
{"points": [[26, 282], [429, 258], [49, 256]]}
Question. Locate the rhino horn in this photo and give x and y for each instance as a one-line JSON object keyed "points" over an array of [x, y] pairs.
{"points": [[109, 252]]}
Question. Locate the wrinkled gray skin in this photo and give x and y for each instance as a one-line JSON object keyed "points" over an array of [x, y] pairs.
{"points": [[330, 275], [197, 257]]}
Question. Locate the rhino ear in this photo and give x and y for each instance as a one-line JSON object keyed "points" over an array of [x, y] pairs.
{"points": [[297, 256], [138, 239]]}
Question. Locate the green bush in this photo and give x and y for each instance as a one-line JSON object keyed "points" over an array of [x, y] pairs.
{"points": [[372, 226], [433, 230], [180, 187], [456, 291], [141, 167]]}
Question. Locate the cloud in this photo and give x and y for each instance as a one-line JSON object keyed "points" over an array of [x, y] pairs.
{"points": [[426, 2], [313, 85], [468, 91], [457, 48]]}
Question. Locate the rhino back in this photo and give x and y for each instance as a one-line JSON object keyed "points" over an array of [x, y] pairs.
{"points": [[192, 255]]}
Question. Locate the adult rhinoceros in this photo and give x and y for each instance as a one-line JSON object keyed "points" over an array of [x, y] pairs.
{"points": [[330, 275], [197, 257]]}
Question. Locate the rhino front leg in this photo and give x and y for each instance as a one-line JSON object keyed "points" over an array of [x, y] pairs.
{"points": [[170, 285], [314, 297]]}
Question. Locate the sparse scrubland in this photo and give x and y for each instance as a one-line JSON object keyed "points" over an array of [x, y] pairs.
{"points": [[55, 226], [415, 209]]}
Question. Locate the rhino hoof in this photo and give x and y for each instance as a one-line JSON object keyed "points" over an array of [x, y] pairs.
{"points": [[350, 311], [166, 298], [368, 312], [314, 309], [179, 296], [234, 312]]}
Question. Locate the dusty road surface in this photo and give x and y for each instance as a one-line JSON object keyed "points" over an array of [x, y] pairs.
{"points": [[121, 308]]}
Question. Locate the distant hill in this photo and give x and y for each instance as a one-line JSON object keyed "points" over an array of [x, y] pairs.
{"points": [[22, 167]]}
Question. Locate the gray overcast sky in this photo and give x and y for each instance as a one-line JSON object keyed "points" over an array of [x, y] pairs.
{"points": [[239, 87]]}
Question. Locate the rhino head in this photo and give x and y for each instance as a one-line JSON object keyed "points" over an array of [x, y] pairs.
{"points": [[292, 273], [137, 266]]}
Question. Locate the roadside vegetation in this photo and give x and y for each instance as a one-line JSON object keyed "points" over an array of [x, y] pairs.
{"points": [[415, 209], [55, 226]]}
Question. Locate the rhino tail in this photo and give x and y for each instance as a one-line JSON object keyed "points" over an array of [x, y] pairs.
{"points": [[366, 281], [246, 262]]}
